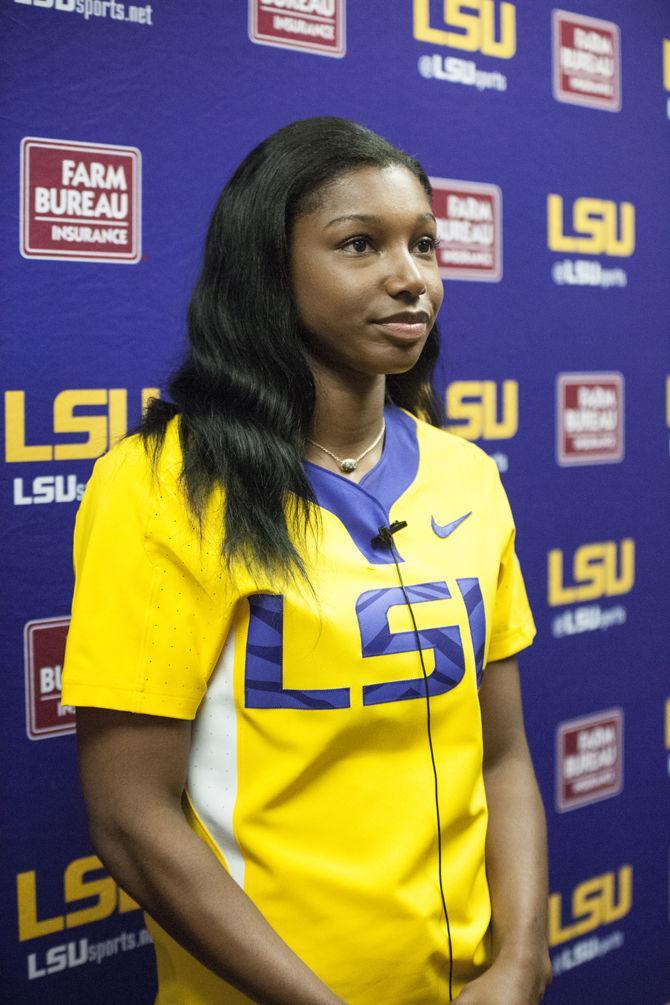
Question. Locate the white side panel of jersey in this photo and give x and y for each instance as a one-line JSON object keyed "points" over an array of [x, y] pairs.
{"points": [[212, 771]]}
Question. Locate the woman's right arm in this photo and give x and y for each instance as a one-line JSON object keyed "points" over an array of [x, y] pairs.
{"points": [[133, 770]]}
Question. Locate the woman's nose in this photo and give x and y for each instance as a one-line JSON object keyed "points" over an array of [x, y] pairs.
{"points": [[404, 276]]}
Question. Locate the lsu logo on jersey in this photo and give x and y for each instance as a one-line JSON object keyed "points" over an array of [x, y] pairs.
{"points": [[599, 227], [83, 880], [597, 901], [483, 409], [99, 430], [603, 569], [264, 684], [485, 26]]}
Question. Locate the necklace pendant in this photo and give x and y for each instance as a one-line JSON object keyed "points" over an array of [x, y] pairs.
{"points": [[348, 465]]}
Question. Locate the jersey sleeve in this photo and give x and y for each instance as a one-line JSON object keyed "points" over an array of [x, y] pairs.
{"points": [[146, 628], [513, 627]]}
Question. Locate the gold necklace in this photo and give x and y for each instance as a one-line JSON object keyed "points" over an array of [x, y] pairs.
{"points": [[349, 464]]}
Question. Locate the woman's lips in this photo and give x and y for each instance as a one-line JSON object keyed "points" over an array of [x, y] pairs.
{"points": [[404, 329]]}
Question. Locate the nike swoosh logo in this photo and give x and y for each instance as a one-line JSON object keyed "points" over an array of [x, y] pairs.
{"points": [[448, 528]]}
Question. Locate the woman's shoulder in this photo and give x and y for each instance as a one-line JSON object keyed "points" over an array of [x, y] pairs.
{"points": [[135, 494], [137, 473], [440, 445], [149, 459]]}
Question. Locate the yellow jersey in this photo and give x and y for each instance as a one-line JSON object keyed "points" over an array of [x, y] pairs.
{"points": [[310, 775]]}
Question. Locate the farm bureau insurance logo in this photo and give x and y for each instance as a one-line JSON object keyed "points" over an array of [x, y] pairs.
{"points": [[469, 228], [600, 227], [309, 25], [44, 647], [589, 759], [589, 418], [80, 201], [484, 26], [596, 902], [586, 61], [600, 570]]}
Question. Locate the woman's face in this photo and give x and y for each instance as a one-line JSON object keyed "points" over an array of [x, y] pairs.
{"points": [[364, 273]]}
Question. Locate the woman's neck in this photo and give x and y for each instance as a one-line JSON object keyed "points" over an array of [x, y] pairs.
{"points": [[348, 417]]}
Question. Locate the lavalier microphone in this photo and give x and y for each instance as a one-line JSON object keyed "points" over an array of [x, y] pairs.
{"points": [[384, 538], [385, 535]]}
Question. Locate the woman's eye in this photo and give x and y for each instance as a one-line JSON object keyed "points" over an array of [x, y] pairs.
{"points": [[357, 244], [426, 245], [360, 244]]}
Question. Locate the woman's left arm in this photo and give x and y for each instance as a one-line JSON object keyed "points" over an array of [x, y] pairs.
{"points": [[516, 851]]}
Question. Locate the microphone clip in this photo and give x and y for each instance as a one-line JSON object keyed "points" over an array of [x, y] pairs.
{"points": [[385, 535]]}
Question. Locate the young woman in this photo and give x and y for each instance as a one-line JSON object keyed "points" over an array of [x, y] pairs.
{"points": [[289, 585]]}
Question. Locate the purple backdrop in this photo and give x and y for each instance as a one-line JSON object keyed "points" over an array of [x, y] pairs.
{"points": [[547, 135]]}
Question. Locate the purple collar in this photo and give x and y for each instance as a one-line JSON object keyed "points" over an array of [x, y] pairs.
{"points": [[363, 507]]}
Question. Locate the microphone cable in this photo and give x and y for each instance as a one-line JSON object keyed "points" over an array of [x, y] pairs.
{"points": [[386, 536]]}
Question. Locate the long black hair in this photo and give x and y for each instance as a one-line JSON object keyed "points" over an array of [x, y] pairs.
{"points": [[245, 391]]}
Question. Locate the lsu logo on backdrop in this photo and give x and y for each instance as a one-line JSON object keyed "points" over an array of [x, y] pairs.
{"points": [[89, 896], [477, 410], [100, 429], [595, 903], [603, 569], [586, 61], [82, 881], [483, 410], [598, 227], [128, 12], [589, 418], [44, 649], [487, 27], [599, 571], [589, 759], [309, 25], [469, 227], [80, 201]]}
